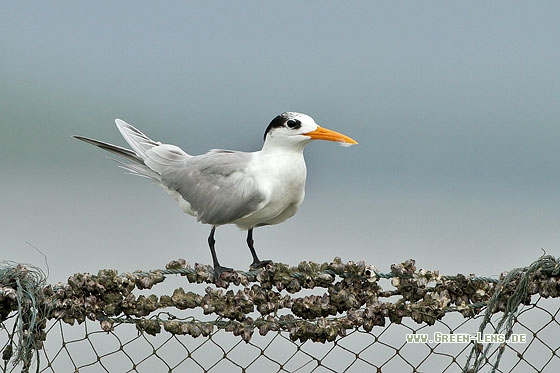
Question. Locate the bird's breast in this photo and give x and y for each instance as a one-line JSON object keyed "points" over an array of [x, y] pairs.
{"points": [[282, 181], [283, 178]]}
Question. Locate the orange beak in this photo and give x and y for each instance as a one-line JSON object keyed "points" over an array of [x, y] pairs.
{"points": [[325, 134]]}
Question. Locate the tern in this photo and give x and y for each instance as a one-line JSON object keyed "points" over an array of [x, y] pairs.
{"points": [[230, 187]]}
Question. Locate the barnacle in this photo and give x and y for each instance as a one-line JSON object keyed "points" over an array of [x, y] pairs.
{"points": [[151, 327], [107, 325], [176, 264]]}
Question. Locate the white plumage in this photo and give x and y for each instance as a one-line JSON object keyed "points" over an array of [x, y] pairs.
{"points": [[230, 187]]}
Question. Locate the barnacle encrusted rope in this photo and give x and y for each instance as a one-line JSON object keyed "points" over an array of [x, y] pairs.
{"points": [[352, 299], [264, 300], [21, 290], [514, 289]]}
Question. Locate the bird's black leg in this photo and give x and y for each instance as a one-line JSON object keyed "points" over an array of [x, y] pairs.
{"points": [[257, 263], [218, 269]]}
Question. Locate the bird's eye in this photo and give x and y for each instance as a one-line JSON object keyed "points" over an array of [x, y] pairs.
{"points": [[293, 123]]}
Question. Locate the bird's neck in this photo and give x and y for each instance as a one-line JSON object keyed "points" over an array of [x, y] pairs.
{"points": [[283, 156], [283, 147]]}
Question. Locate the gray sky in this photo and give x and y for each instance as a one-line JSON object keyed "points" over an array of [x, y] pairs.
{"points": [[455, 107]]}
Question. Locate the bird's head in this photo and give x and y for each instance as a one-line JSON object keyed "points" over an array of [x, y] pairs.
{"points": [[296, 130]]}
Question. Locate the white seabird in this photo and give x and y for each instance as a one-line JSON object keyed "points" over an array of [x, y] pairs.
{"points": [[230, 187]]}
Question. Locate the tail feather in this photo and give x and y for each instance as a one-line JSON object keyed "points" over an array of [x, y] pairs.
{"points": [[127, 153], [149, 157], [139, 170], [139, 142]]}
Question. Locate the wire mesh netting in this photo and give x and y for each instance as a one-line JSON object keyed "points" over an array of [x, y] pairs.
{"points": [[331, 317]]}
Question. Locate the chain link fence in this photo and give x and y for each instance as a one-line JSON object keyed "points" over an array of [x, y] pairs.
{"points": [[330, 317]]}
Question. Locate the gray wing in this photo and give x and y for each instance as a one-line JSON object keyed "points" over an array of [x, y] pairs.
{"points": [[215, 185]]}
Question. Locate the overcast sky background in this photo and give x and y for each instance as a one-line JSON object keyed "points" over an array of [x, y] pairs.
{"points": [[456, 108]]}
